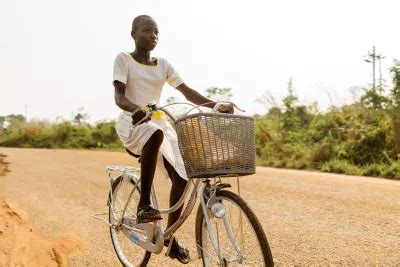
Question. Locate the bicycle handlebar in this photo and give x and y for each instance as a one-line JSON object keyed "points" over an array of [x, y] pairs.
{"points": [[152, 107]]}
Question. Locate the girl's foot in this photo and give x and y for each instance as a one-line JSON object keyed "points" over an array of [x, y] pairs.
{"points": [[147, 214], [176, 251]]}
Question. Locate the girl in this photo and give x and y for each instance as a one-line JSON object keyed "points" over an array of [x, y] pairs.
{"points": [[138, 80]]}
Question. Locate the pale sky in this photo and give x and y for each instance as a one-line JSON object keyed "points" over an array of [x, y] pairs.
{"points": [[57, 56]]}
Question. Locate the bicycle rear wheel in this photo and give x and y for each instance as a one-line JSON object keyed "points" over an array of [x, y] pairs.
{"points": [[127, 251], [249, 246]]}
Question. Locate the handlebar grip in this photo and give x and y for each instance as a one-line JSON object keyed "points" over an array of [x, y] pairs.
{"points": [[226, 102], [149, 113]]}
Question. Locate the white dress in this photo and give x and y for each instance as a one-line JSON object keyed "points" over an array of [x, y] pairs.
{"points": [[144, 84]]}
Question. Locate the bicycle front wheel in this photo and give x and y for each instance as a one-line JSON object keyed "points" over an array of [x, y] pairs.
{"points": [[128, 252], [238, 235]]}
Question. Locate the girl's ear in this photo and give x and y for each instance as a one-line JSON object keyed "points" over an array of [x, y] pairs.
{"points": [[133, 34]]}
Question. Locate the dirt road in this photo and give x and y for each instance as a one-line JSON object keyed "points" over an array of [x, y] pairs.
{"points": [[309, 218]]}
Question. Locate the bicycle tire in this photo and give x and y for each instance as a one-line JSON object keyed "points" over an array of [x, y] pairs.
{"points": [[201, 231], [147, 255]]}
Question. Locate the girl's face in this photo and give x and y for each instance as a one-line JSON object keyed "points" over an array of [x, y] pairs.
{"points": [[146, 34]]}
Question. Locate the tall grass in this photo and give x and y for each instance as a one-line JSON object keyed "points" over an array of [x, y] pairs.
{"points": [[64, 134]]}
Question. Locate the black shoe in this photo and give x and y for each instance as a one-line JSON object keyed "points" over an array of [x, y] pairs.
{"points": [[147, 214], [175, 251]]}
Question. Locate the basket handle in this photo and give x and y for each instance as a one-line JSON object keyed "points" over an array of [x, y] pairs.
{"points": [[217, 105]]}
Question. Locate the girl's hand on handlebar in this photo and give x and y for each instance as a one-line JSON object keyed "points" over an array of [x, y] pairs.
{"points": [[225, 108], [138, 115]]}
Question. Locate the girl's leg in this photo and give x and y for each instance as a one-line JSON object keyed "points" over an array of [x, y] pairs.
{"points": [[148, 164], [175, 250], [178, 186]]}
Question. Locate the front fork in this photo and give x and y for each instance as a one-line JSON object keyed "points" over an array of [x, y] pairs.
{"points": [[207, 200], [207, 194]]}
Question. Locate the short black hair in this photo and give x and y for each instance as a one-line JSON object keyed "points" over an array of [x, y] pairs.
{"points": [[136, 21]]}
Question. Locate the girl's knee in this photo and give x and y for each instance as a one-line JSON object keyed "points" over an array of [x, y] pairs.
{"points": [[154, 141], [157, 136]]}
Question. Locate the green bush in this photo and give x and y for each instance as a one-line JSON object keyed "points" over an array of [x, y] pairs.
{"points": [[340, 166], [392, 171], [369, 148], [60, 135], [374, 169], [322, 152]]}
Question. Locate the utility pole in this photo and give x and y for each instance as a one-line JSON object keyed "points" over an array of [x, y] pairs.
{"points": [[371, 58], [380, 57], [373, 66]]}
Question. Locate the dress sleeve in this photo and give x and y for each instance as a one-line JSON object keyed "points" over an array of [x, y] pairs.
{"points": [[173, 77], [120, 69]]}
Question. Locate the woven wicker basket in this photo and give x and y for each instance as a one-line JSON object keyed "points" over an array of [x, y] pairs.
{"points": [[215, 144]]}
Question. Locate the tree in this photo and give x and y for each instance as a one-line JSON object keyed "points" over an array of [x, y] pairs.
{"points": [[395, 92], [291, 99], [273, 110], [80, 116], [2, 121], [13, 120], [219, 94], [290, 120], [372, 99], [395, 106], [172, 100]]}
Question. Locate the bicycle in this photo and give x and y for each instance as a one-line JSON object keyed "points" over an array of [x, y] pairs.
{"points": [[227, 231]]}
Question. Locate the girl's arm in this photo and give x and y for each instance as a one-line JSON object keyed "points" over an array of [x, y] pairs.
{"points": [[194, 97], [123, 103], [120, 98]]}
